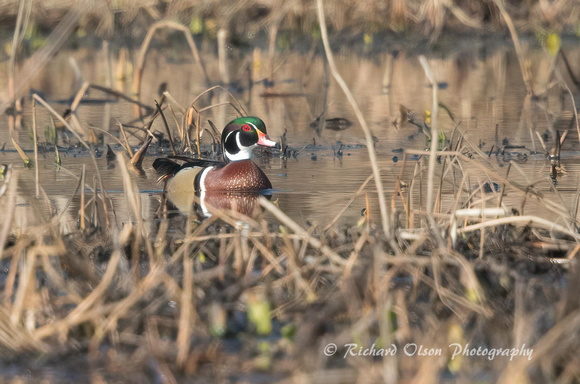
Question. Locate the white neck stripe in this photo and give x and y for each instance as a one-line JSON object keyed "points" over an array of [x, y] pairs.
{"points": [[204, 173], [244, 153]]}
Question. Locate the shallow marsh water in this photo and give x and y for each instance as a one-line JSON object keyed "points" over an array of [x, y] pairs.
{"points": [[480, 84]]}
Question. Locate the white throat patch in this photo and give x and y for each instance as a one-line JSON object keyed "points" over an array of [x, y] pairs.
{"points": [[244, 154]]}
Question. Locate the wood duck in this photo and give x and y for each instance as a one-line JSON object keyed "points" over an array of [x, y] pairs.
{"points": [[236, 174]]}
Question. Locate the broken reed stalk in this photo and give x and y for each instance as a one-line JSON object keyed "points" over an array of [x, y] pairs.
{"points": [[198, 134], [147, 127], [139, 156], [83, 226], [127, 145], [91, 154], [385, 219], [434, 135], [34, 132], [23, 155], [432, 157], [134, 200], [140, 66], [482, 235], [166, 128], [524, 220], [79, 96], [187, 124], [186, 319], [541, 142], [9, 209], [73, 115]]}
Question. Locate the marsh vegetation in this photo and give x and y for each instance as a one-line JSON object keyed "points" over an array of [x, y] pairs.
{"points": [[426, 192]]}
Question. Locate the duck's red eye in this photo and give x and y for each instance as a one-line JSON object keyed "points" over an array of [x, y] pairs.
{"points": [[246, 128]]}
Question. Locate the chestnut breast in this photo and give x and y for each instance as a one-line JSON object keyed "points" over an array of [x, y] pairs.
{"points": [[242, 175]]}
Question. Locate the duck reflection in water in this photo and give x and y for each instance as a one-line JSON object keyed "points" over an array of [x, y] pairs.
{"points": [[236, 183], [202, 204]]}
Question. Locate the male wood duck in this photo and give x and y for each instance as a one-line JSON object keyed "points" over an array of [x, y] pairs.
{"points": [[236, 174]]}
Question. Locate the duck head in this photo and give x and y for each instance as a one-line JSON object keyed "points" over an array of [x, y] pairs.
{"points": [[242, 135]]}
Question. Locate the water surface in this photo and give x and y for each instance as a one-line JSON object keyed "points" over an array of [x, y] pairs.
{"points": [[481, 85]]}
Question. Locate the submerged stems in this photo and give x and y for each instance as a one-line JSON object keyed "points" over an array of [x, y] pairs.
{"points": [[434, 142], [83, 176], [34, 132], [91, 153]]}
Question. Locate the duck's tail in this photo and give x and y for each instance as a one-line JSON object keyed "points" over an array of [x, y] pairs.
{"points": [[166, 168]]}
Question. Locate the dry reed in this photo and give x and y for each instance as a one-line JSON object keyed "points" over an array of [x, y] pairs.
{"points": [[387, 227]]}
